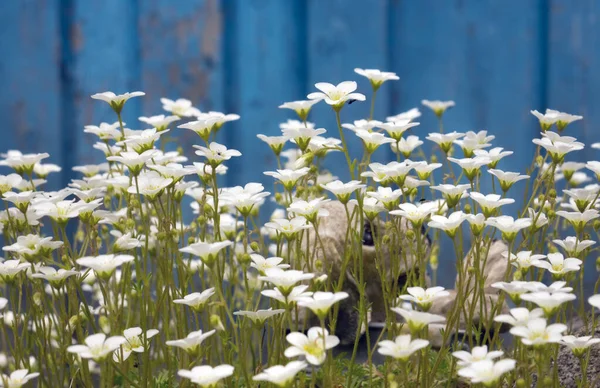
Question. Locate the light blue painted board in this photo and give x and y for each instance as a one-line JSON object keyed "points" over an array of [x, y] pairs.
{"points": [[574, 83], [264, 68], [180, 57], [105, 49], [30, 100], [487, 56], [343, 35]]}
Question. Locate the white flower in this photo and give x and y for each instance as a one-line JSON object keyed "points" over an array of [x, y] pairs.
{"points": [[388, 197], [558, 265], [523, 259], [43, 170], [547, 301], [262, 264], [116, 101], [409, 115], [424, 169], [594, 166], [372, 140], [448, 224], [191, 343], [489, 203], [105, 131], [55, 277], [563, 119], [396, 128], [577, 219], [494, 155], [594, 301], [416, 214], [3, 303], [424, 297], [520, 316], [11, 268], [546, 120], [174, 171], [438, 107], [310, 210], [141, 141], [259, 316], [281, 375], [582, 197], [406, 145], [23, 163], [17, 378], [246, 198], [206, 251], [507, 179], [578, 345], [285, 280], [471, 166], [180, 107], [207, 376], [336, 95], [320, 302], [297, 293], [343, 190], [558, 146], [32, 245], [487, 372], [474, 141], [417, 320], [150, 184], [313, 346], [9, 182], [452, 194], [514, 289], [134, 161], [196, 300], [444, 140], [275, 142], [97, 346], [376, 77], [366, 125], [134, 343], [302, 107], [216, 153], [536, 332], [288, 228], [478, 353], [508, 225], [555, 287], [104, 265], [402, 347], [160, 122], [288, 177]]}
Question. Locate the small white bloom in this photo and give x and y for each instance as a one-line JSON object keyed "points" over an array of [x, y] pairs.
{"points": [[17, 378], [134, 343], [312, 346], [424, 297], [402, 347], [116, 101], [507, 179], [336, 95], [104, 265], [376, 77], [97, 346], [216, 153], [207, 376], [547, 301], [508, 225], [478, 353], [191, 343], [285, 280], [259, 316], [343, 190], [490, 203], [537, 332], [262, 264], [417, 320], [438, 107], [558, 265], [302, 107], [487, 372], [410, 115], [281, 375], [520, 316], [196, 300], [320, 302], [160, 122], [180, 107], [206, 251], [578, 345]]}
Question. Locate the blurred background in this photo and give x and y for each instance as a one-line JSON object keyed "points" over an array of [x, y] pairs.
{"points": [[498, 59]]}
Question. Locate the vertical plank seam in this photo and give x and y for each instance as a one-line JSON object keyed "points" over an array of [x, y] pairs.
{"points": [[544, 58], [301, 9], [230, 79], [67, 114]]}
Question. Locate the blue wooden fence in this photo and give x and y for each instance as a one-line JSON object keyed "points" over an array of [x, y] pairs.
{"points": [[496, 58]]}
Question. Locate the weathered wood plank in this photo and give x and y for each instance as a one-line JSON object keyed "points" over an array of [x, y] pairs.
{"points": [[343, 35], [181, 57], [106, 57], [265, 68], [30, 101]]}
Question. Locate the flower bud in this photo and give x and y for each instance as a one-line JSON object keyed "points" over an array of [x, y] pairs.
{"points": [[521, 383], [216, 323], [410, 234], [467, 209], [104, 323], [37, 299], [319, 265], [386, 239], [244, 259]]}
